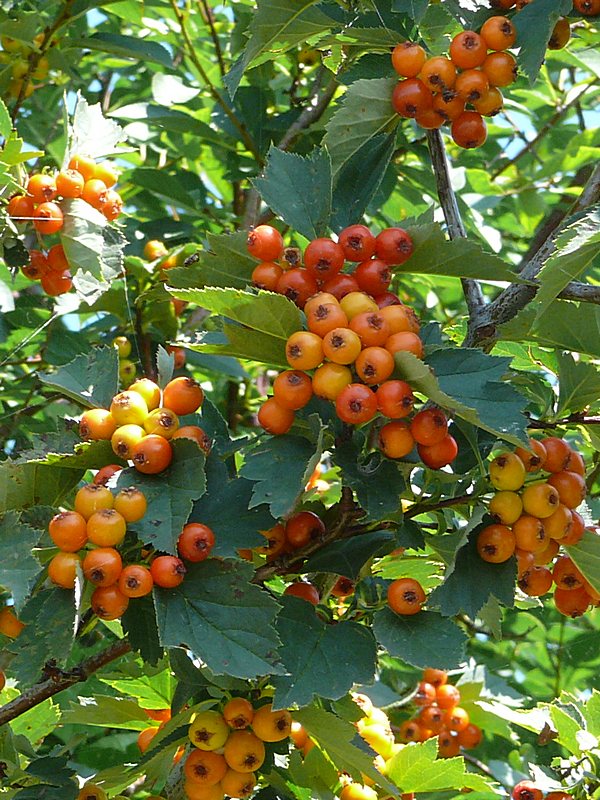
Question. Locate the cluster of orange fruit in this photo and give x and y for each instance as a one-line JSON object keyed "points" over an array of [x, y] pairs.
{"points": [[354, 333], [227, 753], [535, 518], [41, 205], [17, 55], [440, 715], [142, 421], [434, 91], [280, 269]]}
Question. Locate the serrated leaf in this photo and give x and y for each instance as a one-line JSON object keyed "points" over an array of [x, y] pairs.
{"points": [[165, 362], [348, 556], [92, 134], [468, 588], [280, 468], [586, 555], [576, 249], [5, 121], [435, 254], [226, 263], [91, 379], [169, 188], [378, 482], [153, 690], [469, 384], [365, 113], [139, 624], [335, 735], [579, 384], [37, 722], [359, 179], [225, 620], [415, 9], [125, 46], [49, 618], [533, 32], [322, 660], [170, 495], [298, 189], [18, 567], [106, 712], [416, 768], [275, 28], [54, 780], [238, 341], [225, 508], [425, 639]]}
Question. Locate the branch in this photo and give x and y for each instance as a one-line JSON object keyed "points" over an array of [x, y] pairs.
{"points": [[62, 680], [584, 292], [456, 228], [207, 14], [483, 328], [214, 92]]}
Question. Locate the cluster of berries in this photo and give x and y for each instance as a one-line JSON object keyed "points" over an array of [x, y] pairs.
{"points": [[17, 55], [535, 518], [440, 715], [434, 91], [354, 332], [142, 420], [527, 790], [281, 268], [41, 206], [227, 753], [100, 519]]}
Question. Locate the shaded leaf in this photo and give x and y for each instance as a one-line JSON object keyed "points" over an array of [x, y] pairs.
{"points": [[348, 556], [323, 660], [139, 624], [18, 567], [586, 555], [226, 263], [423, 640], [533, 32], [222, 618], [126, 46], [579, 384], [91, 379], [106, 712]]}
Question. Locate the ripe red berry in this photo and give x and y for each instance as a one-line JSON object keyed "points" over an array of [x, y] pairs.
{"points": [[469, 130], [357, 242], [265, 242], [526, 790], [410, 97], [393, 245], [323, 258]]}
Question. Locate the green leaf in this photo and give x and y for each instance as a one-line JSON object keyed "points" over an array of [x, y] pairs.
{"points": [[139, 624], [18, 567], [53, 780], [298, 189], [435, 254], [224, 619], [468, 588], [281, 467], [170, 495], [91, 379], [371, 478], [359, 179], [348, 557], [365, 113], [27, 485], [415, 9], [322, 660], [225, 508], [586, 555], [93, 249], [534, 28], [469, 384], [170, 188], [240, 342], [567, 722], [576, 249], [335, 735], [579, 384], [5, 121], [153, 690], [38, 722], [49, 618], [425, 639], [275, 28], [106, 712], [116, 44], [415, 768], [570, 326], [226, 263]]}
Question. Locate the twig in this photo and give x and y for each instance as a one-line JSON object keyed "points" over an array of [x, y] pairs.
{"points": [[584, 292], [207, 15], [530, 146], [423, 508], [456, 228], [51, 686], [483, 327], [577, 418], [191, 52], [484, 769]]}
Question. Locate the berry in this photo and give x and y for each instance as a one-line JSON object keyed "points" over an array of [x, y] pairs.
{"points": [[447, 696], [342, 346], [526, 790], [469, 130], [69, 183], [92, 498], [244, 752], [429, 426], [104, 474], [506, 507], [408, 59], [448, 105], [371, 327], [500, 68], [496, 544], [135, 581], [507, 472], [265, 242], [498, 33], [341, 285], [195, 542], [374, 365], [238, 784], [329, 380], [131, 504], [535, 581], [405, 596], [292, 389], [124, 440], [589, 8], [468, 50], [373, 276], [456, 719], [62, 570], [411, 97], [102, 566], [572, 602], [183, 396], [48, 218], [106, 173], [108, 602], [167, 571], [405, 342], [56, 283], [303, 590], [41, 188], [266, 275], [323, 258], [324, 317], [21, 207], [561, 33], [205, 768], [425, 694], [238, 713], [396, 440], [489, 104], [559, 524], [197, 435], [540, 500], [357, 242], [148, 390], [439, 455], [84, 165], [529, 534], [271, 726], [400, 318], [162, 421], [566, 575], [394, 246], [151, 454], [106, 527], [297, 285], [303, 528], [355, 303], [534, 458], [274, 418], [472, 85], [438, 74], [113, 207], [356, 404], [128, 408], [570, 486], [304, 350], [395, 399], [95, 193], [470, 737]]}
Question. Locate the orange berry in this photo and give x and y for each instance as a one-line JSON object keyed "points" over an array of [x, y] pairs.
{"points": [[408, 59], [469, 130], [410, 97], [438, 74], [405, 596], [468, 50], [396, 440], [499, 33], [274, 418], [496, 544], [500, 68]]}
